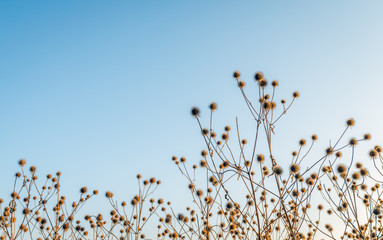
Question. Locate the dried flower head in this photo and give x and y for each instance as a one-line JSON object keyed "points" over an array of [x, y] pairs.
{"points": [[277, 170], [241, 84], [367, 136], [213, 106], [236, 74], [378, 148], [22, 162], [373, 153], [109, 194], [350, 122], [329, 150], [258, 76], [275, 83], [341, 168], [294, 168], [195, 112], [260, 158]]}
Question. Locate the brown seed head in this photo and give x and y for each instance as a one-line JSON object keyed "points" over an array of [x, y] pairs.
{"points": [[350, 122], [236, 74], [213, 106], [195, 112], [258, 76]]}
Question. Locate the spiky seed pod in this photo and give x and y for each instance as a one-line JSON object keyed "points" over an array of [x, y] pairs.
{"points": [[373, 153], [329, 151], [205, 131], [359, 165], [376, 211], [22, 162], [225, 136], [294, 168], [277, 170], [341, 168], [262, 83], [258, 76], [275, 83], [363, 172], [367, 136], [355, 176], [260, 158], [203, 153], [83, 190], [266, 105], [203, 163], [195, 112], [350, 122], [353, 142], [236, 74], [213, 106]]}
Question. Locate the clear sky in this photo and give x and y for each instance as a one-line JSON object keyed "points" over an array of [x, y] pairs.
{"points": [[102, 90]]}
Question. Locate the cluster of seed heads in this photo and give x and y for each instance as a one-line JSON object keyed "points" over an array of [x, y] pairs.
{"points": [[238, 189]]}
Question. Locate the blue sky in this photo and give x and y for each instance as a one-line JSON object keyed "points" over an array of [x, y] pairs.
{"points": [[102, 90]]}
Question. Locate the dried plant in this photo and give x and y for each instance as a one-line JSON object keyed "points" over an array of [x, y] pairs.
{"points": [[42, 212], [238, 190], [272, 204]]}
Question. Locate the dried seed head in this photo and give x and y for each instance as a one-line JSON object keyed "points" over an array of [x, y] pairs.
{"points": [[373, 153], [341, 168], [236, 74], [329, 151], [277, 170], [353, 142], [367, 136], [258, 76], [302, 142], [378, 148], [22, 162], [260, 158], [195, 112], [213, 106], [350, 122], [275, 83], [294, 168]]}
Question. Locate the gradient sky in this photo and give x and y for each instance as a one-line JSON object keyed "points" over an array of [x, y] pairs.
{"points": [[102, 90]]}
